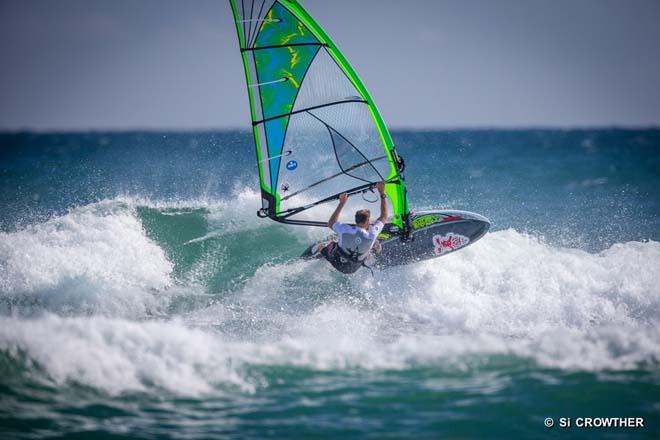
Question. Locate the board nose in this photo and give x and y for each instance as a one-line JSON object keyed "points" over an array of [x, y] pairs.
{"points": [[483, 225], [479, 224]]}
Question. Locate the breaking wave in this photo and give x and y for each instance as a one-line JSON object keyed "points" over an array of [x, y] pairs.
{"points": [[130, 295]]}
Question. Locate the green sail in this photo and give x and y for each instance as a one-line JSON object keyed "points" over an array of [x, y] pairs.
{"points": [[317, 130]]}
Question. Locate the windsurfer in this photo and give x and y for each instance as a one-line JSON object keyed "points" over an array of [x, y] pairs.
{"points": [[354, 242]]}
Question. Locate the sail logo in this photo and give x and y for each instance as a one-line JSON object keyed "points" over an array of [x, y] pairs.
{"points": [[291, 165], [450, 242]]}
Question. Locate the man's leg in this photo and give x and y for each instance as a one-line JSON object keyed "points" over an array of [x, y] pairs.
{"points": [[319, 247], [326, 249]]}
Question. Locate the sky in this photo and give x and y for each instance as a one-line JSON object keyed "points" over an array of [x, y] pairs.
{"points": [[163, 64]]}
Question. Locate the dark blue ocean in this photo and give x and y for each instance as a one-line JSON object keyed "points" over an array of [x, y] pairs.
{"points": [[141, 297]]}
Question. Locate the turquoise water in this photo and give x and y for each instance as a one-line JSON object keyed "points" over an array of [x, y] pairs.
{"points": [[141, 297]]}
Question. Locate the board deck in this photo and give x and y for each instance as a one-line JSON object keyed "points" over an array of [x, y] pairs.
{"points": [[436, 233]]}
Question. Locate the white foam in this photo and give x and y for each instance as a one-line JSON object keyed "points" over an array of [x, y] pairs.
{"points": [[96, 257], [510, 294], [562, 307], [533, 285], [119, 356]]}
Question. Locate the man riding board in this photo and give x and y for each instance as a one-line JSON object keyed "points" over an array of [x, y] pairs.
{"points": [[354, 242]]}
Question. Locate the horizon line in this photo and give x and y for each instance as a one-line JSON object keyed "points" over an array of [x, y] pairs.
{"points": [[394, 128]]}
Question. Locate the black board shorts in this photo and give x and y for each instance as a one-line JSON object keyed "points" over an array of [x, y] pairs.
{"points": [[339, 260]]}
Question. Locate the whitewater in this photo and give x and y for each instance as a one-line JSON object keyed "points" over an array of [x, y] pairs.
{"points": [[93, 285]]}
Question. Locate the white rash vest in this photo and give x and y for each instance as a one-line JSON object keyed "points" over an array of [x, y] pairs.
{"points": [[353, 239]]}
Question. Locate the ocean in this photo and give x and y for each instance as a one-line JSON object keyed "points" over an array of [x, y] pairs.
{"points": [[141, 296]]}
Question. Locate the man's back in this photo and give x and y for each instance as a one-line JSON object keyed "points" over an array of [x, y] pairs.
{"points": [[355, 240]]}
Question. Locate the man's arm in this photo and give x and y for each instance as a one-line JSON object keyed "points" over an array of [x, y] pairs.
{"points": [[335, 215], [383, 203]]}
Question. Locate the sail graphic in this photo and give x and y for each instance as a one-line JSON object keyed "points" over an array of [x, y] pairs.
{"points": [[317, 130]]}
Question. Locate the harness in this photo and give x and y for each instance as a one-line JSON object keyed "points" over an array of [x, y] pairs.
{"points": [[345, 261]]}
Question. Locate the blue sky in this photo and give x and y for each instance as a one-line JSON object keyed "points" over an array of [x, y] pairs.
{"points": [[92, 64]]}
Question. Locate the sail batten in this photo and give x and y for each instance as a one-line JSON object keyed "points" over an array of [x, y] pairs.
{"points": [[279, 46], [317, 131], [308, 109]]}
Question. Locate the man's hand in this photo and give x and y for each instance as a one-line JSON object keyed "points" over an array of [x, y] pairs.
{"points": [[343, 197], [380, 186]]}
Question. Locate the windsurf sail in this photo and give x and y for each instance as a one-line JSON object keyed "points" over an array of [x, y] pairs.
{"points": [[317, 130]]}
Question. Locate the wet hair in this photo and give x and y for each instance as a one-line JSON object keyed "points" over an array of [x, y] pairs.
{"points": [[362, 216]]}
